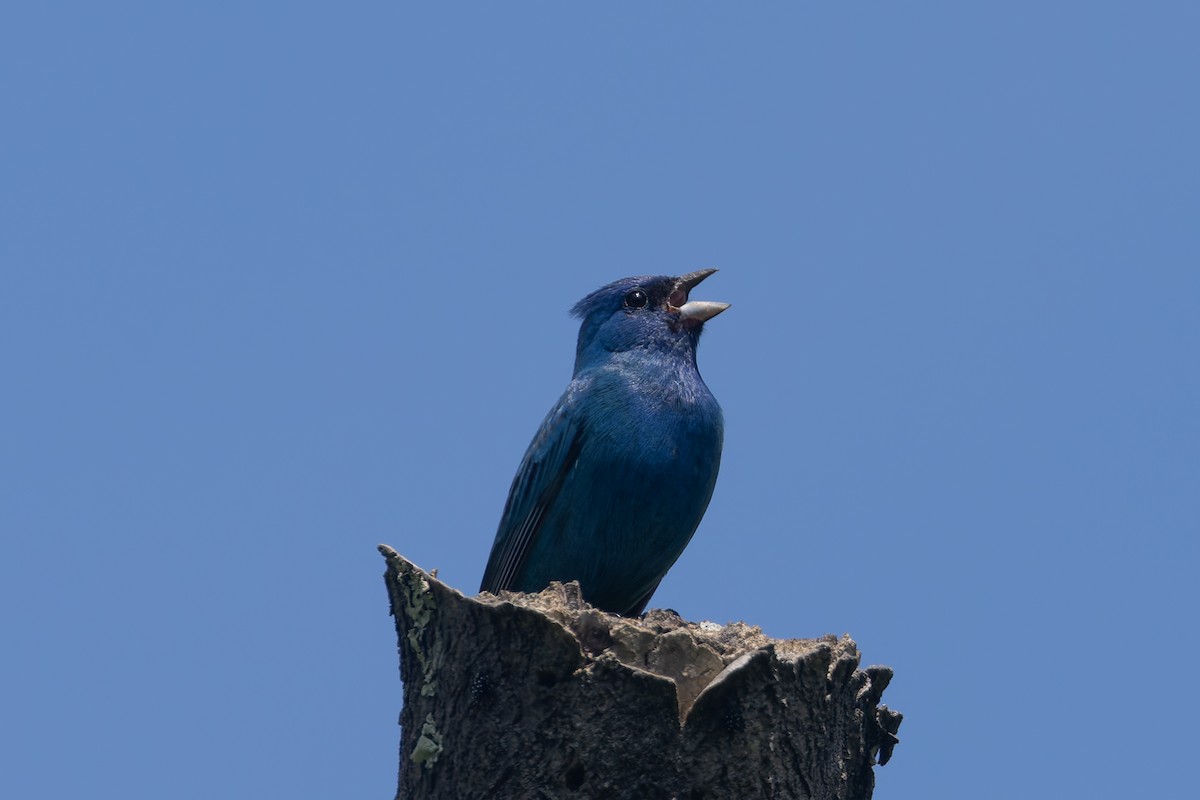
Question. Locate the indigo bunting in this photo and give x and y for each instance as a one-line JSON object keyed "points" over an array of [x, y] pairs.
{"points": [[617, 478]]}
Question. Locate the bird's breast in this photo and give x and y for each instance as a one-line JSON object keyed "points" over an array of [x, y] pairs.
{"points": [[646, 425]]}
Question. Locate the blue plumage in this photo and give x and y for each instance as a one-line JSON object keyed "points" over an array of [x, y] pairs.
{"points": [[621, 471]]}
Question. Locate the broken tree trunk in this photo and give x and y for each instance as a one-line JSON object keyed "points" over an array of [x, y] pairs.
{"points": [[543, 696]]}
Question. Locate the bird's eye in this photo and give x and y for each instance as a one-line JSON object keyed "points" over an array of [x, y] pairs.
{"points": [[636, 299]]}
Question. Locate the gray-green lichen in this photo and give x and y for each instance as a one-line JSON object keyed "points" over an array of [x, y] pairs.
{"points": [[429, 744], [420, 605]]}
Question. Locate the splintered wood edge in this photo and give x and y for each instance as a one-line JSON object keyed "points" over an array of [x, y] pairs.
{"points": [[738, 645]]}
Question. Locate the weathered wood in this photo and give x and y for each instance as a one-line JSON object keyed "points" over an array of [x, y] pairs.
{"points": [[542, 696]]}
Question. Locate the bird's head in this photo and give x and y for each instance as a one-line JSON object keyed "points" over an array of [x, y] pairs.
{"points": [[649, 312]]}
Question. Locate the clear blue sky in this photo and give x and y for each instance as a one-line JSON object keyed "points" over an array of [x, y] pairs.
{"points": [[285, 280]]}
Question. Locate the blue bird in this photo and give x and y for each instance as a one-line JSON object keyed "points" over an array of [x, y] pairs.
{"points": [[622, 469]]}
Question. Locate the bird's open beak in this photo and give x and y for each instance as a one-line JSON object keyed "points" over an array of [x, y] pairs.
{"points": [[694, 310]]}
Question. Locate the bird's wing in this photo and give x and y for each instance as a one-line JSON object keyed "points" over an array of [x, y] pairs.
{"points": [[550, 457]]}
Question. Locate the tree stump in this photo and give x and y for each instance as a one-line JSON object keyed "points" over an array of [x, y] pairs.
{"points": [[543, 696]]}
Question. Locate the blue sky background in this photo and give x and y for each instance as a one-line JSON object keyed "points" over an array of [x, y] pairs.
{"points": [[282, 281]]}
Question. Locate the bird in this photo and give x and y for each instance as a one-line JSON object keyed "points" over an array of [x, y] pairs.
{"points": [[621, 471]]}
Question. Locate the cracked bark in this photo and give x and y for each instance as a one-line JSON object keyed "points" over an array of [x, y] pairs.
{"points": [[542, 696]]}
